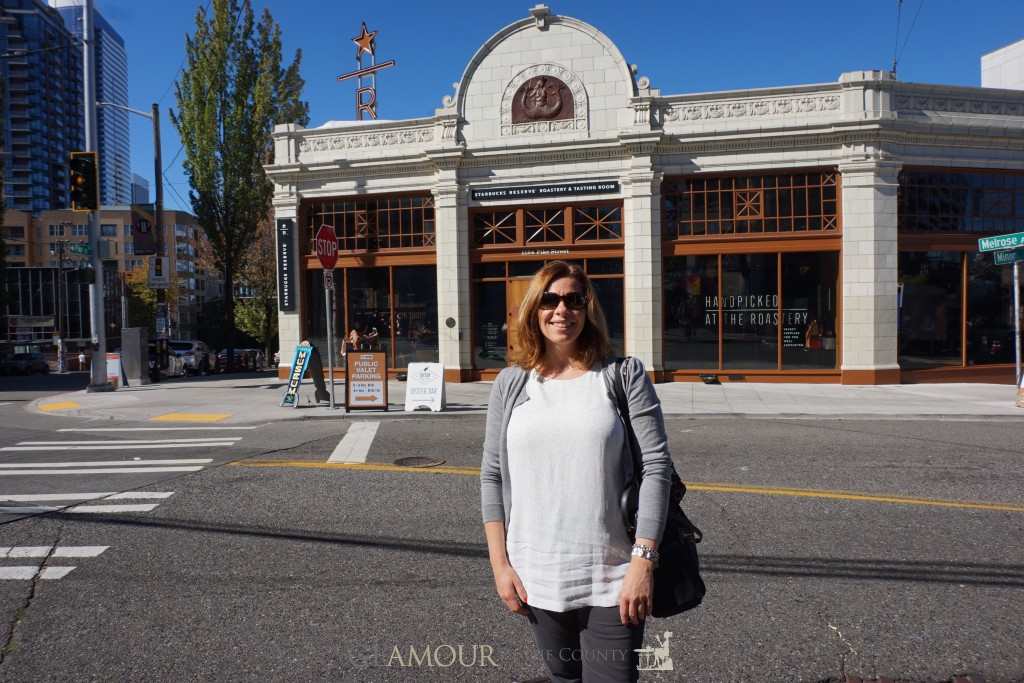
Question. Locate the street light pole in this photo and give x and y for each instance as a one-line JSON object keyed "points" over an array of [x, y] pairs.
{"points": [[98, 371], [158, 180]]}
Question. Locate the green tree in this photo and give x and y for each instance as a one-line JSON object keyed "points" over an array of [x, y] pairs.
{"points": [[229, 97], [256, 315]]}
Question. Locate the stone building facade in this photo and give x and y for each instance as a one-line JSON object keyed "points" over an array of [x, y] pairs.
{"points": [[822, 232]]}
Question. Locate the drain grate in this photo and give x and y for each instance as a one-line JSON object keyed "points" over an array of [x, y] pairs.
{"points": [[417, 461]]}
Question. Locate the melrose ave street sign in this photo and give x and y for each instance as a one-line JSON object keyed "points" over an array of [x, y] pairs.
{"points": [[327, 247], [1000, 242]]}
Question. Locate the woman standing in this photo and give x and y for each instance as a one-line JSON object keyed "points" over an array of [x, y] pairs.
{"points": [[555, 464]]}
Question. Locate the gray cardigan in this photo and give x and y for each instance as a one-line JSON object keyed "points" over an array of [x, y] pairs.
{"points": [[648, 423]]}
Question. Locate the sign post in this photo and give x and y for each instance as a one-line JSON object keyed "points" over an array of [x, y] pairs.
{"points": [[327, 251], [1016, 318]]}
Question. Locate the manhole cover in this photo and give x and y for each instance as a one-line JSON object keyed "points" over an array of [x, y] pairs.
{"points": [[418, 462]]}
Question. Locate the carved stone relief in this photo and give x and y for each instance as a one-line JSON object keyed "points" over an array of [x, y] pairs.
{"points": [[741, 109], [544, 98], [391, 138]]}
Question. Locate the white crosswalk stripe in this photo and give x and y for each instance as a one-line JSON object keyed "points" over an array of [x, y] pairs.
{"points": [[105, 463], [34, 503], [154, 429], [355, 445], [97, 470], [47, 553], [130, 447], [126, 442]]}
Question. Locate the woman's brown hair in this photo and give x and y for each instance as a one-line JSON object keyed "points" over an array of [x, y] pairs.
{"points": [[592, 345]]}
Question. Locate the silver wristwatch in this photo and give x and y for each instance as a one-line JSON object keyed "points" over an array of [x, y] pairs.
{"points": [[646, 552]]}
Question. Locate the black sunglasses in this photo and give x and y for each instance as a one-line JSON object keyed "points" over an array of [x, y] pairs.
{"points": [[575, 301]]}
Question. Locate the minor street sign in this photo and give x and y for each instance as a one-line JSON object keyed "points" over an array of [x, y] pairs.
{"points": [[1001, 242], [328, 279], [326, 244], [1005, 258]]}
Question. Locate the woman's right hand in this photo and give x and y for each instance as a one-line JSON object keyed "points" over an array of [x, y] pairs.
{"points": [[510, 589]]}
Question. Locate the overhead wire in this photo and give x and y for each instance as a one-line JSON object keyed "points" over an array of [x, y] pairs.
{"points": [[898, 53]]}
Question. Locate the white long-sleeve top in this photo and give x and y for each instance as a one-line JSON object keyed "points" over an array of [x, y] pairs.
{"points": [[566, 538]]}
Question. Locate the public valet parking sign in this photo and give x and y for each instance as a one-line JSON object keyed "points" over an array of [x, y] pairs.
{"points": [[1009, 250], [366, 380]]}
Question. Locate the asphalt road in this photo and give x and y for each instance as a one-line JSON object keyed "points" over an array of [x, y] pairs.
{"points": [[831, 547]]}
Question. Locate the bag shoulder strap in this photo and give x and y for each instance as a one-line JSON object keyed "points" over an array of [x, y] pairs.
{"points": [[620, 398]]}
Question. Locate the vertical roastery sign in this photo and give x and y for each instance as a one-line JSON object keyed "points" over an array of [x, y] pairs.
{"points": [[286, 264]]}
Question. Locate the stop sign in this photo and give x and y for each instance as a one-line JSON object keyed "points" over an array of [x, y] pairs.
{"points": [[326, 243]]}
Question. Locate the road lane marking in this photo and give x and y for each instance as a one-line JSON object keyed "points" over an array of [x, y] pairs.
{"points": [[692, 486], [60, 551], [7, 403], [97, 470], [59, 405], [105, 463], [126, 442], [29, 573], [190, 417], [369, 467], [355, 445], [123, 507], [49, 497], [95, 447], [78, 509], [151, 429]]}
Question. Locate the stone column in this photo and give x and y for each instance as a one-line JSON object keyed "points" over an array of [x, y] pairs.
{"points": [[643, 267], [453, 280], [289, 323], [869, 272]]}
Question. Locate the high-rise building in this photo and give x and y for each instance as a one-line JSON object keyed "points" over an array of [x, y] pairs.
{"points": [[111, 86], [140, 189], [41, 83]]}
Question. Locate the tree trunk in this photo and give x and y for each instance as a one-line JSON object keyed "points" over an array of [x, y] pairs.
{"points": [[229, 310]]}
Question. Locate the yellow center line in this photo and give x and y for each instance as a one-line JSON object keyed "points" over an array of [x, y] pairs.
{"points": [[708, 487]]}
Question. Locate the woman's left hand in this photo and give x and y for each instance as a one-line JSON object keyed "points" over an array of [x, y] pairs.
{"points": [[637, 594]]}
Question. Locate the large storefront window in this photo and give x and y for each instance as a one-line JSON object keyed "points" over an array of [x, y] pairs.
{"points": [[752, 316], [930, 309], [691, 312], [490, 340], [956, 304], [749, 310], [939, 201], [406, 330], [374, 223], [712, 206], [990, 320], [809, 310], [415, 289]]}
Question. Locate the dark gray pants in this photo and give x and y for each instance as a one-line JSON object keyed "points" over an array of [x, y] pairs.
{"points": [[587, 644]]}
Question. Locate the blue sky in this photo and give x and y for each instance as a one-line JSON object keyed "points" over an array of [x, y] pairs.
{"points": [[683, 46]]}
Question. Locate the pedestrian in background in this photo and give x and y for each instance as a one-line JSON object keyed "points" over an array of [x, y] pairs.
{"points": [[555, 463]]}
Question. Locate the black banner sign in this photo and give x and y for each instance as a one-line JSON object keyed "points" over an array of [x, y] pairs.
{"points": [[285, 265], [541, 191]]}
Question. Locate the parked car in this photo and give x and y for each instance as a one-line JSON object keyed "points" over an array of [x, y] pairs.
{"points": [[194, 354], [241, 360]]}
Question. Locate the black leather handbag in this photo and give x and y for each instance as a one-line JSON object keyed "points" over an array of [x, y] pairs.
{"points": [[677, 583]]}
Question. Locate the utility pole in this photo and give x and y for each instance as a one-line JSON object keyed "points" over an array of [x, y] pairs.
{"points": [[98, 371], [158, 209], [60, 308]]}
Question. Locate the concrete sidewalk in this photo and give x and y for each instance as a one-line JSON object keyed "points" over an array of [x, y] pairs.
{"points": [[256, 400]]}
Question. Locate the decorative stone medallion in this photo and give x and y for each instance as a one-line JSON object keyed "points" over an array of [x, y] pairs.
{"points": [[542, 98]]}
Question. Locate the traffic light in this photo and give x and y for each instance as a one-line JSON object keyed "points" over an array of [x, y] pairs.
{"points": [[84, 182]]}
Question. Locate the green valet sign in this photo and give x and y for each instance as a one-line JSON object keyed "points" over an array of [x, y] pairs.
{"points": [[1005, 258], [1001, 242]]}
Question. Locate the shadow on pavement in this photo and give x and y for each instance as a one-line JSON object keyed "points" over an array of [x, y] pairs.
{"points": [[975, 574], [71, 381]]}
